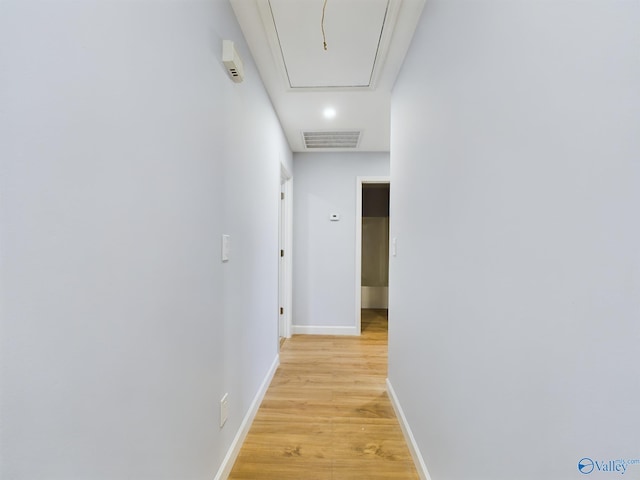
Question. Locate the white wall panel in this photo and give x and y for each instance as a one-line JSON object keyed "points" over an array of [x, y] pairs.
{"points": [[515, 294], [324, 251], [123, 159]]}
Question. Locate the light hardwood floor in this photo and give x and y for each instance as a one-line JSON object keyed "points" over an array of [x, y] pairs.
{"points": [[326, 414]]}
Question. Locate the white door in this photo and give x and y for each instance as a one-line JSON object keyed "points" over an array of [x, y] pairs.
{"points": [[285, 281]]}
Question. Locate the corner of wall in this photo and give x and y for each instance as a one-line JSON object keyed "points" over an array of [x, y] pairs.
{"points": [[234, 449], [421, 467]]}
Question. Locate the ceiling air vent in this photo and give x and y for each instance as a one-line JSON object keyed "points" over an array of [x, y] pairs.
{"points": [[331, 139]]}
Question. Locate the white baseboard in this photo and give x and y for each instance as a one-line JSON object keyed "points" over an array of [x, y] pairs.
{"points": [[323, 330], [408, 436], [236, 445]]}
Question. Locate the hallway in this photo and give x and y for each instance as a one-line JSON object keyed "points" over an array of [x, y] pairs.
{"points": [[326, 414]]}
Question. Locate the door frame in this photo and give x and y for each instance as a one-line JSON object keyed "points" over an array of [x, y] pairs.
{"points": [[285, 265], [358, 273]]}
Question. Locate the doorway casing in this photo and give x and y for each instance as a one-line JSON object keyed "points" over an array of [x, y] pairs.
{"points": [[358, 260]]}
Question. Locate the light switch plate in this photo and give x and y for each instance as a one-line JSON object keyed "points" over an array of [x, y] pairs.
{"points": [[225, 247], [224, 409]]}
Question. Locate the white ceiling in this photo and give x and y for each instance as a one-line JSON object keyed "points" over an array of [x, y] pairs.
{"points": [[366, 44]]}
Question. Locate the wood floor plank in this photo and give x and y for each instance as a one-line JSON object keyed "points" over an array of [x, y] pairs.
{"points": [[326, 414]]}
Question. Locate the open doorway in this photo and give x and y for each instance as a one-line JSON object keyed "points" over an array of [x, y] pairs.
{"points": [[372, 249], [285, 284]]}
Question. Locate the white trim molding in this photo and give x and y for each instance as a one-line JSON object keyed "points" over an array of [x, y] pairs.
{"points": [[236, 445], [408, 435], [323, 330]]}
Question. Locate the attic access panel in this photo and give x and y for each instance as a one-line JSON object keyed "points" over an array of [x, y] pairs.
{"points": [[353, 30]]}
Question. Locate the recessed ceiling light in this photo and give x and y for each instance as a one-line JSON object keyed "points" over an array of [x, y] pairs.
{"points": [[329, 112]]}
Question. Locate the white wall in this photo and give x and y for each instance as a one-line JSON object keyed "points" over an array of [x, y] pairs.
{"points": [[515, 295], [123, 159], [324, 251]]}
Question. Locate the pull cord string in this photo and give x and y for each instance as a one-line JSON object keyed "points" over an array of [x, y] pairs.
{"points": [[324, 38]]}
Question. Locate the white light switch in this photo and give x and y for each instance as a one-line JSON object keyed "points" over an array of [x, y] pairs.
{"points": [[334, 217], [394, 246], [224, 409], [225, 248]]}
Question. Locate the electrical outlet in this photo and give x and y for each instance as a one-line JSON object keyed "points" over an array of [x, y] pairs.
{"points": [[224, 409]]}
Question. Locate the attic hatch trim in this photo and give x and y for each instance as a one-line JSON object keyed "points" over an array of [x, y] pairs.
{"points": [[383, 44]]}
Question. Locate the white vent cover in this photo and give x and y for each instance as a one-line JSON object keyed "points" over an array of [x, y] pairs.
{"points": [[344, 139], [232, 61]]}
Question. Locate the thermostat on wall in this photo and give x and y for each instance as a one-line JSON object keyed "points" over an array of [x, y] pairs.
{"points": [[334, 217]]}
